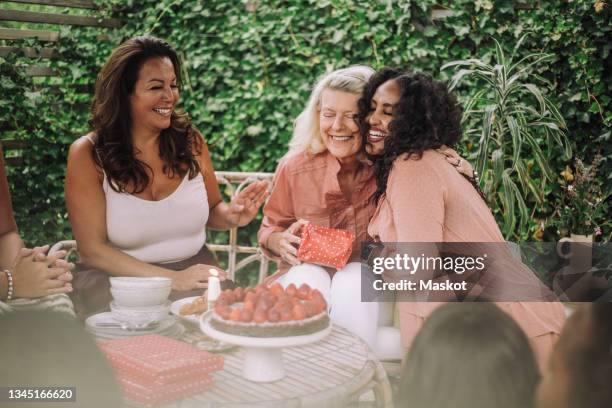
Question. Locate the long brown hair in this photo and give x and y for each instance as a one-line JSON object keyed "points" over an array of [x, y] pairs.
{"points": [[114, 150]]}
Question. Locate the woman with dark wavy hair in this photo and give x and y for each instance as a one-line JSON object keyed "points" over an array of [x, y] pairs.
{"points": [[404, 117], [140, 187]]}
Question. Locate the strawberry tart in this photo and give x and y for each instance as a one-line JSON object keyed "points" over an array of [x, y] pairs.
{"points": [[270, 311]]}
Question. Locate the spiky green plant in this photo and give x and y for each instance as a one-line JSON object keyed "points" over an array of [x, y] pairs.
{"points": [[520, 130]]}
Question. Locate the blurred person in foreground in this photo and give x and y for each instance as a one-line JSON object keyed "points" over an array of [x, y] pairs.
{"points": [[469, 355], [28, 277], [44, 349], [579, 374]]}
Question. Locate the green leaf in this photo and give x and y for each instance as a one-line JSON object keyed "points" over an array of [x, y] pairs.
{"points": [[507, 199], [487, 128], [594, 108], [497, 157], [469, 63], [527, 182], [535, 91], [458, 76], [539, 156], [516, 139]]}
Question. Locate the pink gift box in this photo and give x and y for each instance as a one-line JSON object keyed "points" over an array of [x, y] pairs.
{"points": [[150, 396], [153, 369], [326, 246]]}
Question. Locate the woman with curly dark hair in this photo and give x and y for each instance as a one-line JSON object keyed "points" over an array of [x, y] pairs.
{"points": [[140, 187], [404, 117]]}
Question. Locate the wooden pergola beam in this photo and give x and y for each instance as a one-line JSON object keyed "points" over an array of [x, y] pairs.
{"points": [[86, 4], [65, 19], [30, 52], [20, 34]]}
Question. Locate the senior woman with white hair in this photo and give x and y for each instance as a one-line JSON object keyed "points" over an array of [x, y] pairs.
{"points": [[325, 180]]}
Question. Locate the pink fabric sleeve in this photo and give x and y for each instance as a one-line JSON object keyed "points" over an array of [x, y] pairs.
{"points": [[278, 211], [416, 195]]}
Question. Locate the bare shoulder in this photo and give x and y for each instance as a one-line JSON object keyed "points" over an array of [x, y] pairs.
{"points": [[83, 145], [80, 155]]}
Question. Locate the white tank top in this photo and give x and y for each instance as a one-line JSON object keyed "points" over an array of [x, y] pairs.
{"points": [[169, 230]]}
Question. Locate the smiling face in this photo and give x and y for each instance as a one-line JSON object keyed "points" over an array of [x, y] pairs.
{"points": [[381, 115], [338, 128], [155, 95]]}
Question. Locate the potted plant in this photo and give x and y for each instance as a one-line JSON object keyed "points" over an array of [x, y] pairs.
{"points": [[517, 130], [580, 214], [582, 208]]}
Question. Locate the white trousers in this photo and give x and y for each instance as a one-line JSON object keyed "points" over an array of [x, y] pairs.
{"points": [[343, 296]]}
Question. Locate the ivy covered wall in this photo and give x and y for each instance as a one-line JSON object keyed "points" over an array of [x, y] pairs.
{"points": [[250, 65]]}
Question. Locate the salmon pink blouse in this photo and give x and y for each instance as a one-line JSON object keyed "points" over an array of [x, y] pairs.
{"points": [[428, 201], [306, 187]]}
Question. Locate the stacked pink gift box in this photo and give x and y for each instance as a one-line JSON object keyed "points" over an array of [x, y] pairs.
{"points": [[153, 369]]}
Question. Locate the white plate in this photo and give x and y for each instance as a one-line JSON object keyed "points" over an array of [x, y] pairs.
{"points": [[260, 342], [164, 307], [175, 331], [165, 327], [175, 308]]}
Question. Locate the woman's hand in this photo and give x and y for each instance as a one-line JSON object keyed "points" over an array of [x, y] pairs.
{"points": [[36, 274], [463, 166], [285, 243], [195, 277], [40, 255], [243, 208]]}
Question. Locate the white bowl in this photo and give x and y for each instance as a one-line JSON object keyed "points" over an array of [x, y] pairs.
{"points": [[139, 316], [128, 282], [140, 297]]}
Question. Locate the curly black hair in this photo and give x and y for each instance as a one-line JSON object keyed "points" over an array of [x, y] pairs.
{"points": [[427, 116], [113, 150]]}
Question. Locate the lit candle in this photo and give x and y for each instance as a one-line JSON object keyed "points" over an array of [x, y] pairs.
{"points": [[214, 288]]}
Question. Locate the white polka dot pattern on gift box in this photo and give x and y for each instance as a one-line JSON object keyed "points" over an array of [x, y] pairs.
{"points": [[326, 246]]}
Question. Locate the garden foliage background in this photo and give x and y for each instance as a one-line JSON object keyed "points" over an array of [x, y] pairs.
{"points": [[249, 68]]}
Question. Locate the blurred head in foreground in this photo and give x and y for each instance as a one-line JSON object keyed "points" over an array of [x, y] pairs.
{"points": [[579, 374], [48, 349], [469, 355]]}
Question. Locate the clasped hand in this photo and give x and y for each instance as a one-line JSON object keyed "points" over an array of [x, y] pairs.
{"points": [[36, 274]]}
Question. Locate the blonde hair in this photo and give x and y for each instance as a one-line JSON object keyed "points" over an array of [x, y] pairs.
{"points": [[306, 131]]}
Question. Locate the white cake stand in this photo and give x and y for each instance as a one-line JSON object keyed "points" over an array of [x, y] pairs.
{"points": [[264, 356]]}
